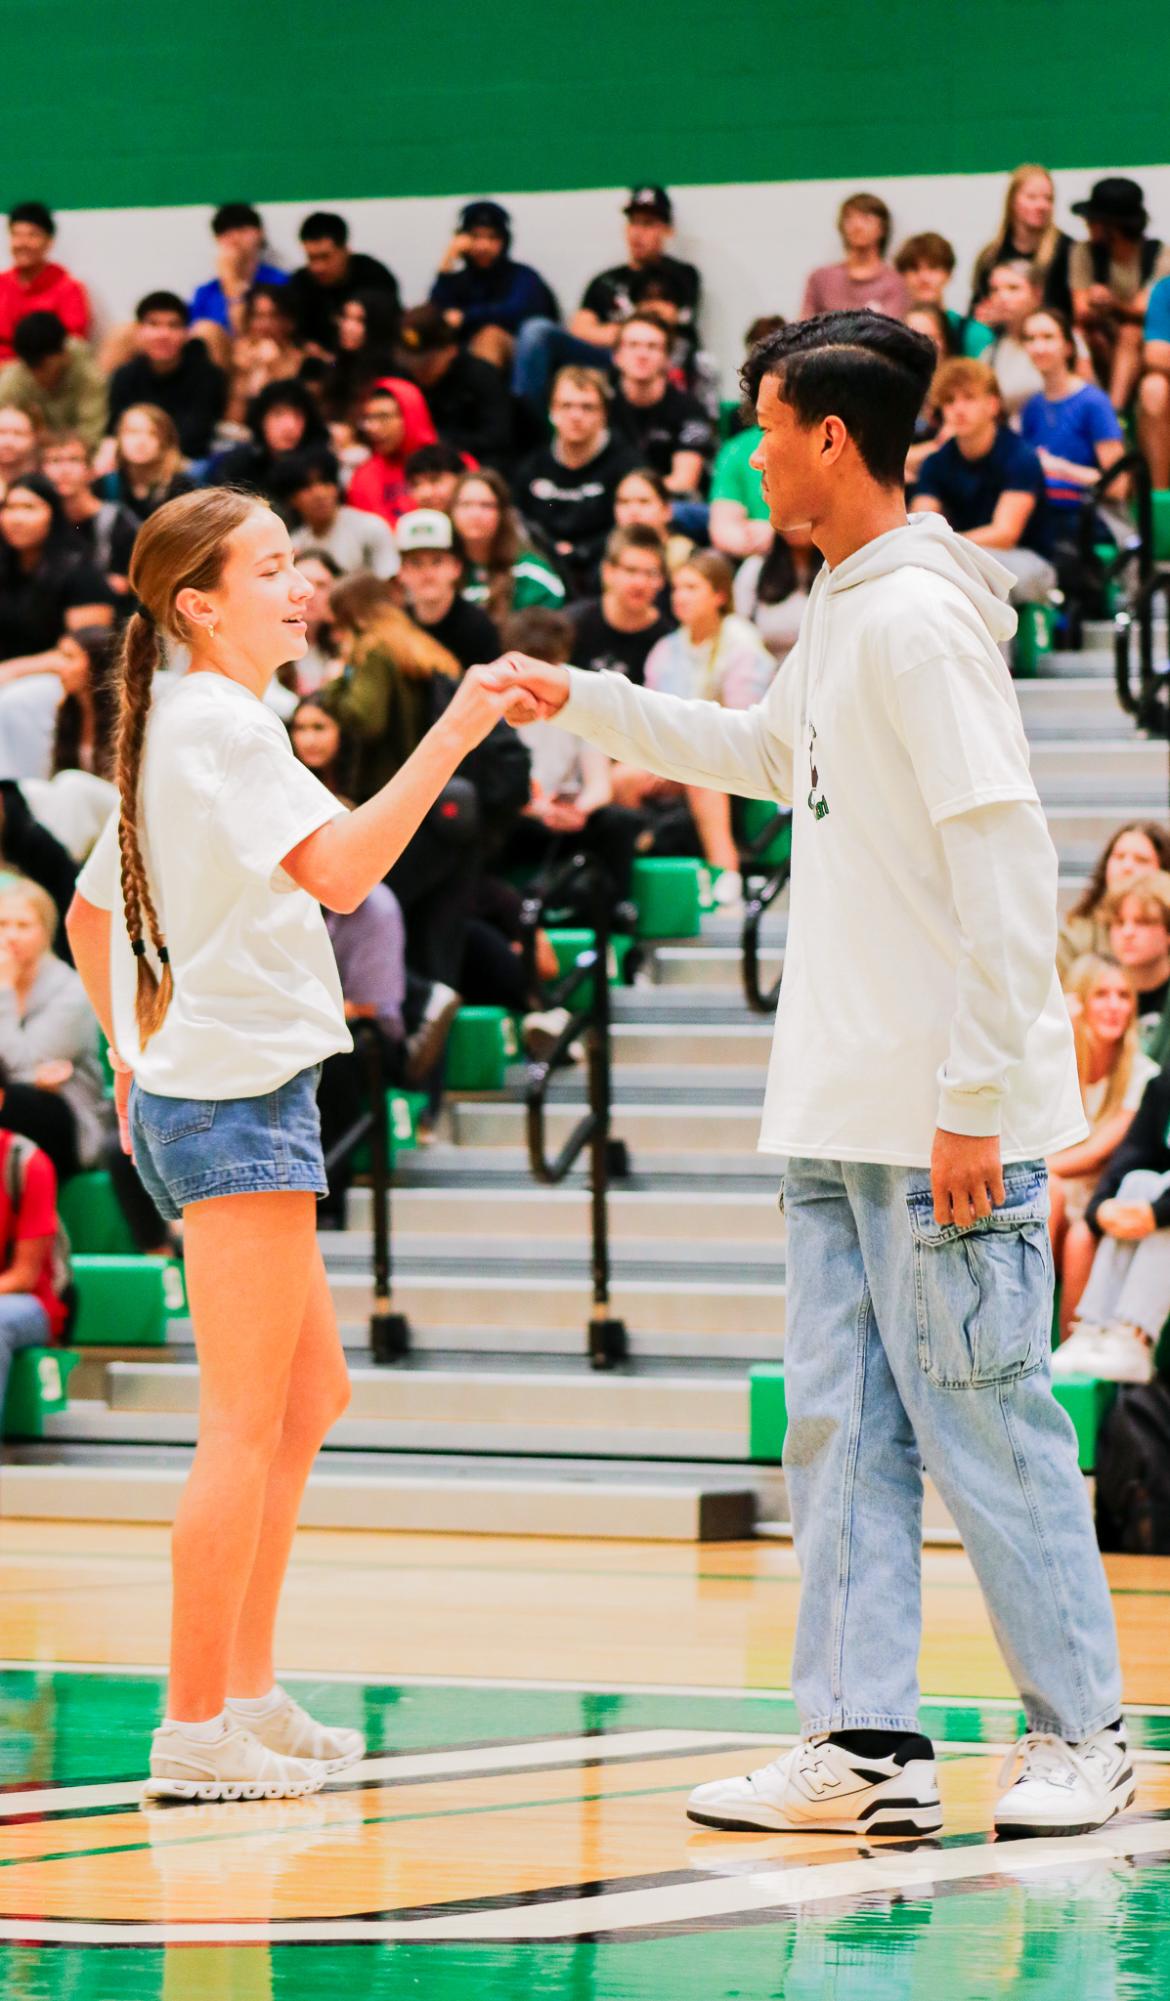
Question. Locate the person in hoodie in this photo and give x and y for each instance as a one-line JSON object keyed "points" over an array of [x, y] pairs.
{"points": [[922, 1071], [482, 292], [395, 423]]}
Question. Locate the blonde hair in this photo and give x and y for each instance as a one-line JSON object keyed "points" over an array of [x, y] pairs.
{"points": [[1151, 890], [170, 456], [573, 377], [992, 253], [364, 604], [1083, 975], [183, 546], [24, 890]]}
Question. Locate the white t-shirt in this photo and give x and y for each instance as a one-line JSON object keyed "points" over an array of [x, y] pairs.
{"points": [[223, 799], [1093, 1095], [356, 541]]}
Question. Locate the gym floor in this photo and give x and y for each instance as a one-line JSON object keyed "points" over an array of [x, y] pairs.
{"points": [[536, 1713]]}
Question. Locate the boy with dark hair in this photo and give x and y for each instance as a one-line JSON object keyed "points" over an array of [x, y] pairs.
{"points": [[468, 399], [432, 474], [616, 632], [922, 1072], [666, 428], [926, 264], [862, 279], [239, 264], [330, 273], [307, 487], [482, 292], [173, 372], [55, 378], [35, 285]]}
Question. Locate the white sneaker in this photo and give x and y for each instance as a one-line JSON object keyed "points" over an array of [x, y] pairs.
{"points": [[541, 1032], [1065, 1788], [1124, 1354], [292, 1733], [727, 889], [236, 1767], [1080, 1354], [820, 1788]]}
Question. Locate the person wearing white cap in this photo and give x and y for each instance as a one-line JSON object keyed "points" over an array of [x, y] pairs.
{"points": [[431, 573]]}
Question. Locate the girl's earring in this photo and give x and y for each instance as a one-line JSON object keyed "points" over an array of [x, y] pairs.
{"points": [[211, 632]]}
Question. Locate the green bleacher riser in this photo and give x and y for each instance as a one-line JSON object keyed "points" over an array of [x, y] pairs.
{"points": [[1161, 505], [568, 942], [482, 1043], [1034, 638], [38, 1387], [90, 1212], [755, 815], [403, 1111], [671, 893], [126, 1302], [1084, 1399]]}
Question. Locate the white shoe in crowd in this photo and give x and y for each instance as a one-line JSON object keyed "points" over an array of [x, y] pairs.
{"points": [[821, 1788], [727, 889], [426, 1045], [541, 1032], [1115, 1353], [1062, 1788], [235, 1766]]}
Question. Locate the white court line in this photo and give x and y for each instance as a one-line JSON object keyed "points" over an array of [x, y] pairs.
{"points": [[709, 1897]]}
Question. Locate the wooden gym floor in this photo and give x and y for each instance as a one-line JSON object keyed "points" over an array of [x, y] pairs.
{"points": [[536, 1713]]}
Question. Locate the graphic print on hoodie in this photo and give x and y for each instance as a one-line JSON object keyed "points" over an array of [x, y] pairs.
{"points": [[919, 975]]}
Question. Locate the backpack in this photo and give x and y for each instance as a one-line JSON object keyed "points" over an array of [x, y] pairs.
{"points": [[20, 1152], [1133, 1472]]}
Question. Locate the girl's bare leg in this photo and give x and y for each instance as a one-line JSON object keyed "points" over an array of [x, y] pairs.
{"points": [[711, 813]]}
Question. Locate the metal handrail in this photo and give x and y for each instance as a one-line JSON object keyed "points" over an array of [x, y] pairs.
{"points": [[1130, 465], [761, 900], [389, 1328], [589, 1018]]}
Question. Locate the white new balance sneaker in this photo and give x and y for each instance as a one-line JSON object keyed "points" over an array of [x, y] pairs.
{"points": [[1080, 1354], [820, 1788], [1124, 1354], [1060, 1788], [291, 1732], [236, 1767]]}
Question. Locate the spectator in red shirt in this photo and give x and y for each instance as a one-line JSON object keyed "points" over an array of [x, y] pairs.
{"points": [[31, 1313], [395, 423], [34, 285]]}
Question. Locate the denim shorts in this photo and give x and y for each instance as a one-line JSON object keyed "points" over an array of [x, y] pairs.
{"points": [[191, 1149]]}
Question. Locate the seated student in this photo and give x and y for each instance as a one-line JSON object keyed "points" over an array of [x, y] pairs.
{"points": [[926, 264], [1114, 1072], [501, 570], [321, 660], [641, 501], [48, 1037], [771, 591], [32, 1312], [283, 419], [714, 656], [431, 573], [75, 801], [1126, 1301], [33, 283], [665, 428], [1153, 403], [388, 694], [1028, 234], [863, 278], [986, 481], [331, 273], [105, 530], [46, 589], [571, 806], [1140, 847], [468, 399], [306, 486], [929, 430], [148, 462], [482, 292], [1013, 295], [542, 347], [739, 522], [395, 423], [1137, 914], [367, 337], [616, 632], [19, 445], [1073, 429], [565, 490], [265, 349], [222, 301], [1111, 277], [55, 378], [433, 474], [172, 373]]}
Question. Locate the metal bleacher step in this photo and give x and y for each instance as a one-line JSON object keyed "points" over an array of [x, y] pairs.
{"points": [[730, 1046], [1067, 706], [468, 1165], [647, 1127], [484, 1213], [1067, 772]]}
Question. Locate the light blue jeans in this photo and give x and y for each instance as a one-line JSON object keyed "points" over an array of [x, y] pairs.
{"points": [[913, 1347], [23, 1324]]}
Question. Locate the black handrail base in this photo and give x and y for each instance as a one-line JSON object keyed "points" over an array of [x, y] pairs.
{"points": [[609, 1343], [617, 1160], [389, 1336]]}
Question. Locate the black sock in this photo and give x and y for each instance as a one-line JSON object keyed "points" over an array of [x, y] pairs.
{"points": [[883, 1744]]}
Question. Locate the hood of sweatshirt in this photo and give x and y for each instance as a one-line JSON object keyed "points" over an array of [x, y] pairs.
{"points": [[927, 542]]}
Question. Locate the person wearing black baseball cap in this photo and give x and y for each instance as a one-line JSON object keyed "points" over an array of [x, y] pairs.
{"points": [[482, 291], [610, 298], [1111, 277]]}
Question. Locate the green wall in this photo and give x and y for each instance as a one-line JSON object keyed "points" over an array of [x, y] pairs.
{"points": [[109, 103]]}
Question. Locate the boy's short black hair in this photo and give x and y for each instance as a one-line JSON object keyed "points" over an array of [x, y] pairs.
{"points": [[305, 468], [34, 212], [163, 302], [323, 226], [432, 459], [540, 631], [235, 215], [37, 337], [863, 367]]}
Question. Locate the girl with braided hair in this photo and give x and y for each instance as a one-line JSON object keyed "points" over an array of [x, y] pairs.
{"points": [[198, 932]]}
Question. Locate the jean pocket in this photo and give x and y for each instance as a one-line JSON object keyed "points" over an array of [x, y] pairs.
{"points": [[164, 1120], [983, 1293]]}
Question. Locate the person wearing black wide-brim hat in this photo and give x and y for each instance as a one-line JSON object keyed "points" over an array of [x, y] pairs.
{"points": [[1111, 276]]}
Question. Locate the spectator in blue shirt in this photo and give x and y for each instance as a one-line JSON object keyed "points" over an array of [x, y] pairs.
{"points": [[482, 292], [987, 482], [1071, 425], [239, 253], [1154, 391]]}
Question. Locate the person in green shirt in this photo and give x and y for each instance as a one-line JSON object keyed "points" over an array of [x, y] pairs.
{"points": [[926, 264], [739, 523], [55, 379], [502, 572]]}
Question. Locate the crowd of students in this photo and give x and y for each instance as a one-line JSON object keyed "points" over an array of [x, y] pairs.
{"points": [[475, 470]]}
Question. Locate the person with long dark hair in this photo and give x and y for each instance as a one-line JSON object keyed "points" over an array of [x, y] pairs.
{"points": [[502, 572], [47, 588], [283, 419], [1140, 847], [367, 328]]}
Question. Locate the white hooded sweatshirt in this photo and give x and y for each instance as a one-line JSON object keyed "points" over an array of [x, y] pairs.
{"points": [[919, 987]]}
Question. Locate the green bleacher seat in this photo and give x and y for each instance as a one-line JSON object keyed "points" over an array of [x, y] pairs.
{"points": [[668, 892], [126, 1302], [38, 1387], [1086, 1401], [755, 815], [90, 1212], [403, 1111], [1034, 636], [480, 1047], [1161, 506]]}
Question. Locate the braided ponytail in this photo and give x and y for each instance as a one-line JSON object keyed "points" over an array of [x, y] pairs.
{"points": [[183, 545]]}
